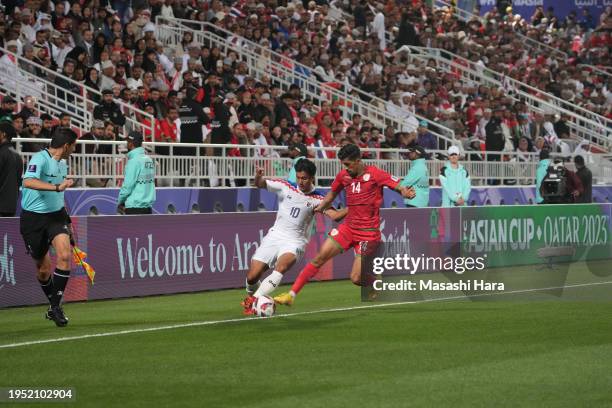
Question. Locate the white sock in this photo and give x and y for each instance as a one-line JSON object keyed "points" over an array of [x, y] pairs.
{"points": [[251, 288], [292, 293], [269, 284]]}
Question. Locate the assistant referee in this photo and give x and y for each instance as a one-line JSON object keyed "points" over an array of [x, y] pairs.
{"points": [[44, 220]]}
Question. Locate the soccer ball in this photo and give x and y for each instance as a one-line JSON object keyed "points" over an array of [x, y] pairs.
{"points": [[264, 306]]}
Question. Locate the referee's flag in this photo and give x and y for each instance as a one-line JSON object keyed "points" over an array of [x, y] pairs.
{"points": [[79, 258]]}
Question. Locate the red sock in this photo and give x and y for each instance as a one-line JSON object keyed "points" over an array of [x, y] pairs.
{"points": [[307, 273]]}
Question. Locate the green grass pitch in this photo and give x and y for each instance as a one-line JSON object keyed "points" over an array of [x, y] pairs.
{"points": [[444, 353]]}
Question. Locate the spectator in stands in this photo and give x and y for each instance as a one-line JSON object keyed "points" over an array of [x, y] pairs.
{"points": [[8, 62], [150, 122], [85, 41], [91, 82], [159, 108], [47, 127], [220, 124], [18, 123], [93, 163], [59, 49], [495, 140], [424, 138], [455, 181], [108, 74], [524, 156], [168, 130], [33, 130], [407, 34], [283, 110], [417, 178], [586, 178], [11, 168], [109, 110], [8, 106], [29, 108], [64, 84], [524, 128], [561, 127], [297, 152], [97, 133], [192, 119]]}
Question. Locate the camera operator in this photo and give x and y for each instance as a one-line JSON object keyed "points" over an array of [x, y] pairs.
{"points": [[560, 185]]}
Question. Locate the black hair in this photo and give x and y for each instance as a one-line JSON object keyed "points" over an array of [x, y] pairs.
{"points": [[544, 154], [62, 136], [64, 114], [579, 160], [349, 152], [8, 130], [306, 166]]}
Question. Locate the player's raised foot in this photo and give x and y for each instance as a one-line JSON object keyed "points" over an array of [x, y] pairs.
{"points": [[56, 313], [247, 304], [284, 299]]}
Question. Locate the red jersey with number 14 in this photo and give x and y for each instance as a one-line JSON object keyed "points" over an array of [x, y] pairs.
{"points": [[364, 196]]}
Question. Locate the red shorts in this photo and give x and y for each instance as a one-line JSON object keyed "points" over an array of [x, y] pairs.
{"points": [[348, 237]]}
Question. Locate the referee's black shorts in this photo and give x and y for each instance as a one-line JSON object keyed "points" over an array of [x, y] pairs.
{"points": [[39, 229]]}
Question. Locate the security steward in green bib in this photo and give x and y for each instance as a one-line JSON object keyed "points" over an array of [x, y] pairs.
{"points": [[417, 178], [137, 193]]}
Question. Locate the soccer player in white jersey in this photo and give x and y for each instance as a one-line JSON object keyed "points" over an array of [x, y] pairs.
{"points": [[285, 242]]}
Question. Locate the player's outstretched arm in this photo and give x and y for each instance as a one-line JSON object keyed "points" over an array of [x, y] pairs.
{"points": [[336, 215], [37, 184], [329, 198], [260, 181]]}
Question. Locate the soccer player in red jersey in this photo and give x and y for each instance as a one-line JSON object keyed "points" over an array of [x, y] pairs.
{"points": [[361, 228]]}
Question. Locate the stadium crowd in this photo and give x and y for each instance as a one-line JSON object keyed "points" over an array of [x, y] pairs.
{"points": [[197, 94], [492, 41]]}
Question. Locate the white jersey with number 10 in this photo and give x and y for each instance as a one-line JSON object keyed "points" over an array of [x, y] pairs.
{"points": [[295, 210]]}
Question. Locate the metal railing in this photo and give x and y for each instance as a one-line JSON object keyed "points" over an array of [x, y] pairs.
{"points": [[584, 124], [597, 70], [263, 61], [96, 170], [54, 99], [51, 98]]}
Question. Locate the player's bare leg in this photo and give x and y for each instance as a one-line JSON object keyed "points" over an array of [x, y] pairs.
{"points": [[329, 250], [356, 271], [357, 279], [252, 283]]}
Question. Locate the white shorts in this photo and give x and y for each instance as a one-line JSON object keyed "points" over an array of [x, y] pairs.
{"points": [[272, 247]]}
